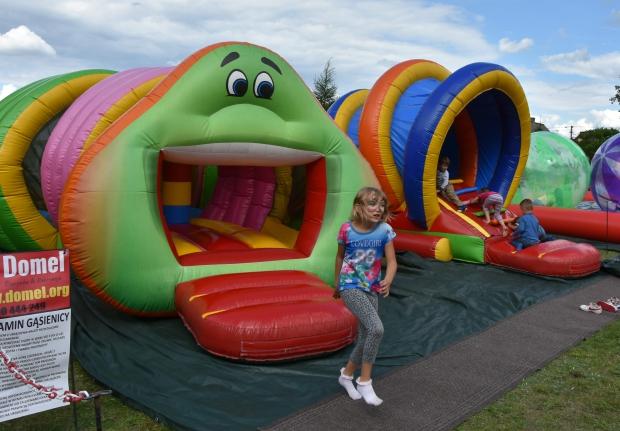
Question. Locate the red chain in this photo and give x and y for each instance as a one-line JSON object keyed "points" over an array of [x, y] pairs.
{"points": [[50, 391]]}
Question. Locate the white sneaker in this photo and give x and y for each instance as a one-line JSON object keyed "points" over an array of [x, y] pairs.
{"points": [[591, 307]]}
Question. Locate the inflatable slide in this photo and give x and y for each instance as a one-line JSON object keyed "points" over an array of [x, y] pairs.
{"points": [[478, 116]]}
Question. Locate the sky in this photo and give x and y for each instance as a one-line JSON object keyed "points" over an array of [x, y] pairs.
{"points": [[565, 54]]}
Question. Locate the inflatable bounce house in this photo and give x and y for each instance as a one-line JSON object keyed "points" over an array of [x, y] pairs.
{"points": [[478, 116], [215, 189], [113, 167]]}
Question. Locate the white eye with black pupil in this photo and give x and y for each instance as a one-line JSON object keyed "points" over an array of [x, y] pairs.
{"points": [[237, 83], [263, 86]]}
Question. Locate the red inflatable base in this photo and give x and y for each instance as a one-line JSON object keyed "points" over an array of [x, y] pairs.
{"points": [[559, 258], [265, 316]]}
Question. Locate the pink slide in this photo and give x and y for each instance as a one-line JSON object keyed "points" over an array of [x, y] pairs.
{"points": [[243, 195]]}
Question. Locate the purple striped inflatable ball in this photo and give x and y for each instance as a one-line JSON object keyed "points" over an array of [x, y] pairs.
{"points": [[605, 182]]}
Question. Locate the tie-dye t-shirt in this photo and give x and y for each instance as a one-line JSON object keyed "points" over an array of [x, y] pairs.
{"points": [[361, 266]]}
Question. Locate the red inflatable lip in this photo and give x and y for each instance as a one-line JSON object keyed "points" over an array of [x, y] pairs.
{"points": [[265, 316], [257, 155]]}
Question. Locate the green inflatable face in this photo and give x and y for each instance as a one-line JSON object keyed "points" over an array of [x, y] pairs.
{"points": [[228, 104]]}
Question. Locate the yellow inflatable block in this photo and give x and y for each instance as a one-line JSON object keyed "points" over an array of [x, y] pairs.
{"points": [[250, 237], [184, 245], [176, 193], [274, 228]]}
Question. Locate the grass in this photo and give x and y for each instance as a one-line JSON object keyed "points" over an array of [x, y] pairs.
{"points": [[580, 390], [115, 415], [608, 254]]}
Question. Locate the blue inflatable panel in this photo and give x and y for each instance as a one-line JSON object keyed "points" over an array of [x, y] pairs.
{"points": [[466, 190], [354, 127], [177, 214], [405, 112], [450, 149], [487, 122], [333, 110]]}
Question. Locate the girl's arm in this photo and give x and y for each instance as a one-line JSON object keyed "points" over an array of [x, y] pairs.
{"points": [[390, 272], [338, 267], [487, 214]]}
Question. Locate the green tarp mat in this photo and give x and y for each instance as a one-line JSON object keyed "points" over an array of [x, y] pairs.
{"points": [[612, 266], [156, 366]]}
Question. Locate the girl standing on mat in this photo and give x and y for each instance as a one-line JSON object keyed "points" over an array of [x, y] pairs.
{"points": [[362, 242]]}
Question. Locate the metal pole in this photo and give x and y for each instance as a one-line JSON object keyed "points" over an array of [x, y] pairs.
{"points": [[73, 406], [98, 413], [97, 402]]}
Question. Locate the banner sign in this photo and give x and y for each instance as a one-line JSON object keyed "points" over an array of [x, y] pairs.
{"points": [[35, 327]]}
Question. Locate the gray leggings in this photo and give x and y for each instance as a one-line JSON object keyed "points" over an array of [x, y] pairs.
{"points": [[365, 307]]}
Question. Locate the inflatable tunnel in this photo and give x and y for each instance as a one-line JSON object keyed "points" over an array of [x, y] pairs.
{"points": [[418, 112], [347, 111], [27, 117], [214, 190]]}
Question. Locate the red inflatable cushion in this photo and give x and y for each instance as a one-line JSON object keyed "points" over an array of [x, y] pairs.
{"points": [[265, 316], [559, 258]]}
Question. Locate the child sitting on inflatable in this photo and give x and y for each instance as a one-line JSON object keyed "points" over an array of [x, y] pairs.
{"points": [[528, 229], [490, 200], [444, 187]]}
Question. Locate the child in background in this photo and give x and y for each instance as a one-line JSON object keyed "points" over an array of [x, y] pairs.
{"points": [[444, 187], [528, 231], [491, 200], [362, 242]]}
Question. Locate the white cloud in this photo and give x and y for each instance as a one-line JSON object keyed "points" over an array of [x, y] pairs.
{"points": [[595, 119], [22, 40], [547, 96], [563, 128], [520, 71], [363, 38], [6, 89], [606, 118], [580, 62], [512, 46], [582, 104]]}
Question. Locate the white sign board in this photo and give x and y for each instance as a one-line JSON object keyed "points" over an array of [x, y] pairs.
{"points": [[35, 328]]}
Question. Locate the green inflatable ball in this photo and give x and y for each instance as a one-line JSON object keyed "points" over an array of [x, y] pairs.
{"points": [[557, 173]]}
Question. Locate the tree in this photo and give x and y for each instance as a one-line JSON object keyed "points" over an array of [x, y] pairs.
{"points": [[616, 98], [590, 140], [325, 86]]}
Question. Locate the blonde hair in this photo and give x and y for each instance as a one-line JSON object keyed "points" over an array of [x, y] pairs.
{"points": [[526, 205], [363, 197]]}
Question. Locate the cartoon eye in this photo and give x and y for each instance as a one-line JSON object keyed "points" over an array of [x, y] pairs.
{"points": [[263, 86], [237, 83]]}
